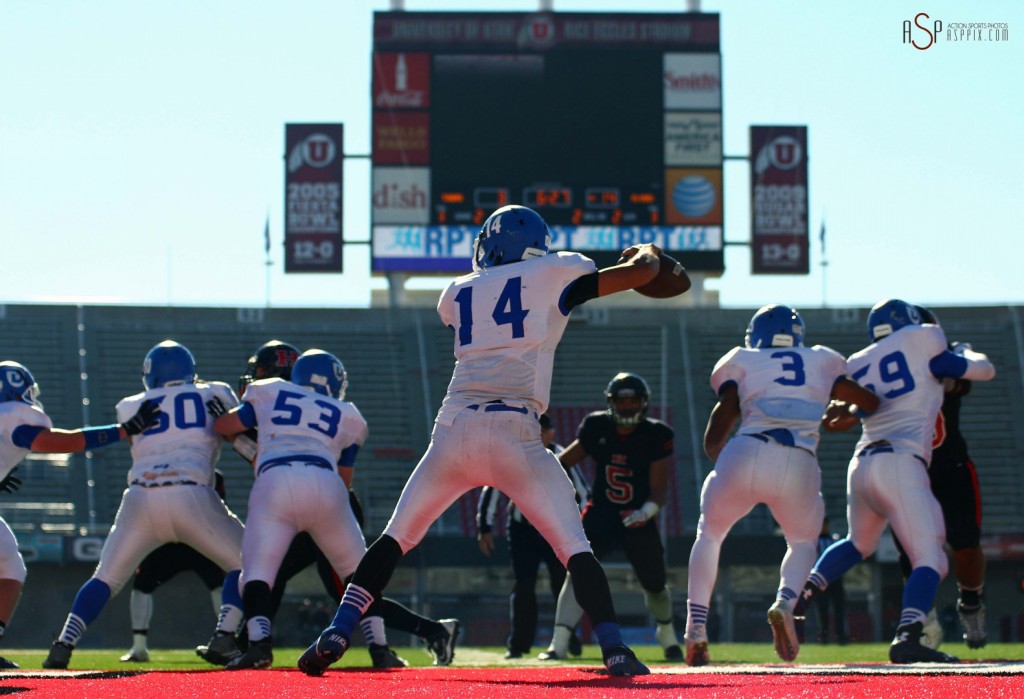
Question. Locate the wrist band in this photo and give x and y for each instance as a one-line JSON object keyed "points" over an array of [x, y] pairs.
{"points": [[96, 437], [650, 509]]}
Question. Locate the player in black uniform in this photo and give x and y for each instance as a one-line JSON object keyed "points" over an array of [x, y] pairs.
{"points": [[527, 549], [955, 485], [632, 454], [275, 359], [157, 568]]}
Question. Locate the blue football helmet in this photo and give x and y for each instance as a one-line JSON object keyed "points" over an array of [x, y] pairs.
{"points": [[17, 384], [168, 364], [510, 234], [775, 325], [889, 315], [927, 315], [627, 385], [321, 372]]}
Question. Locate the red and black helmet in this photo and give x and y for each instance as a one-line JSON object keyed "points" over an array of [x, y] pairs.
{"points": [[274, 359]]}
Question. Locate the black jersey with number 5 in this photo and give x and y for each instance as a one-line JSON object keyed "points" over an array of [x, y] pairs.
{"points": [[622, 478]]}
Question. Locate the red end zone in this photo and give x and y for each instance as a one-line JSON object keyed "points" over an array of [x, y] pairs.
{"points": [[883, 681]]}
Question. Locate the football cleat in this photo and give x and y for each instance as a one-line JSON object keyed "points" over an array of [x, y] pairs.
{"points": [[59, 656], [327, 649], [973, 622], [221, 649], [621, 662], [696, 642], [6, 664], [513, 654], [384, 658], [907, 648], [674, 653], [259, 655], [136, 656], [442, 645], [549, 654], [780, 617]]}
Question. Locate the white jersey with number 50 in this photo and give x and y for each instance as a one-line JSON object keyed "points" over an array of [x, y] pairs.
{"points": [[782, 388], [508, 321], [182, 445], [295, 421]]}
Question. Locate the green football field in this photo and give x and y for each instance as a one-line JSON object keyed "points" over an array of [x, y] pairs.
{"points": [[724, 654]]}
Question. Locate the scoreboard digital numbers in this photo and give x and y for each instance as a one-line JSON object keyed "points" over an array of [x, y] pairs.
{"points": [[608, 125]]}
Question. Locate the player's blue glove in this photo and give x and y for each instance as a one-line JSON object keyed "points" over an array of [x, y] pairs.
{"points": [[147, 416]]}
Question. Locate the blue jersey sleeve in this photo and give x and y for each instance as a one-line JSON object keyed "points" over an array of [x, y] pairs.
{"points": [[948, 364], [247, 414]]}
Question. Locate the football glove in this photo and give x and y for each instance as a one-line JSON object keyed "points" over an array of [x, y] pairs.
{"points": [[215, 406], [11, 482], [147, 416], [638, 518]]}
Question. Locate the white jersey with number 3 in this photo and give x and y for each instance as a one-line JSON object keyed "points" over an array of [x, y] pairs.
{"points": [[508, 321], [782, 388]]}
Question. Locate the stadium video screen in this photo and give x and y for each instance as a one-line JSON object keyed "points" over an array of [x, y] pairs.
{"points": [[609, 125]]}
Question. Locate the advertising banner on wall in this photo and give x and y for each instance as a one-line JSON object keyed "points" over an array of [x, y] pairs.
{"points": [[778, 200], [313, 197]]}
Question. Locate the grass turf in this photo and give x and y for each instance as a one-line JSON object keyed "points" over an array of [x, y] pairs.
{"points": [[357, 657]]}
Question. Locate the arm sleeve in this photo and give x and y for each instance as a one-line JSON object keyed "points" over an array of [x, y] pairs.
{"points": [[247, 414], [24, 435], [578, 292], [972, 365], [348, 456]]}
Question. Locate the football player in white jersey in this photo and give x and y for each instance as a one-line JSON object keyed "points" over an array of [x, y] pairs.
{"points": [[24, 427], [887, 481], [777, 390], [308, 435], [507, 318], [170, 495]]}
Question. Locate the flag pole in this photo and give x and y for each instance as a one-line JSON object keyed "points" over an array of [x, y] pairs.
{"points": [[824, 266], [268, 262]]}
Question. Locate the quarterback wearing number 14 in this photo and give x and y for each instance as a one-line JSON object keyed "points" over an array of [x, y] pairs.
{"points": [[507, 318]]}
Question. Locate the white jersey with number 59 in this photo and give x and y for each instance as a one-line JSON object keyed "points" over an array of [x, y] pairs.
{"points": [[508, 321], [898, 369], [781, 388]]}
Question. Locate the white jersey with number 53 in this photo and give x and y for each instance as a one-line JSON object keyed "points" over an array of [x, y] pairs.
{"points": [[508, 321], [294, 421]]}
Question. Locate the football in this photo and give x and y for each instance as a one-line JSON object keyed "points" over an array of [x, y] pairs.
{"points": [[670, 281]]}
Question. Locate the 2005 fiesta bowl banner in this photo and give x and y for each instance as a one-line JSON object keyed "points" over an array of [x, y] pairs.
{"points": [[313, 197]]}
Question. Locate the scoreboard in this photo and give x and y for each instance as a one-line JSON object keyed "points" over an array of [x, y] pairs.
{"points": [[608, 125]]}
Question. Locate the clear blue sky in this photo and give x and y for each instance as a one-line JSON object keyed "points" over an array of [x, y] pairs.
{"points": [[141, 144]]}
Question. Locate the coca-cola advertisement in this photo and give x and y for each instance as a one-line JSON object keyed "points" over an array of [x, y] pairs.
{"points": [[313, 197], [778, 201], [401, 80]]}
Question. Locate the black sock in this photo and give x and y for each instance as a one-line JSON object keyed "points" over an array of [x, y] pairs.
{"points": [[402, 618], [590, 585], [378, 565], [256, 599]]}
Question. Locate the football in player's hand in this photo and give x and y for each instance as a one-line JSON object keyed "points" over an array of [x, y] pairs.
{"points": [[670, 281]]}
